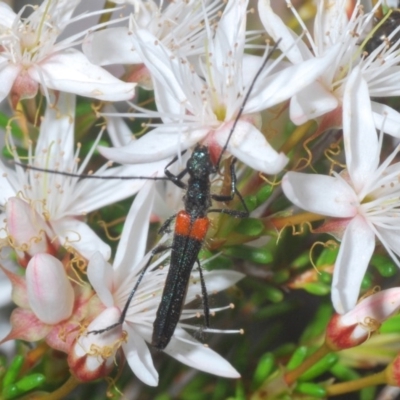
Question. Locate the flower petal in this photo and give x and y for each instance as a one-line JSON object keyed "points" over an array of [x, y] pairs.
{"points": [[132, 245], [74, 233], [277, 29], [359, 134], [186, 350], [70, 71], [386, 119], [57, 134], [282, 85], [100, 275], [111, 46], [320, 194], [355, 252], [50, 293], [311, 102], [249, 145], [139, 357]]}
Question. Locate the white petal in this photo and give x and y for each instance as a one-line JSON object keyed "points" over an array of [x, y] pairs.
{"points": [[77, 234], [8, 74], [7, 16], [355, 252], [187, 351], [111, 46], [57, 134], [277, 29], [132, 245], [50, 292], [119, 132], [72, 72], [158, 144], [390, 238], [320, 194], [249, 145], [359, 133], [282, 85], [386, 119], [311, 102], [139, 357], [100, 275]]}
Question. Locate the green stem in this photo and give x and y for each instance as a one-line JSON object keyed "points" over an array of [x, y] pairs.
{"points": [[352, 386], [297, 135], [62, 391]]}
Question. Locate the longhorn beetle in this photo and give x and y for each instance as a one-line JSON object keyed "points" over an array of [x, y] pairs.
{"points": [[191, 225]]}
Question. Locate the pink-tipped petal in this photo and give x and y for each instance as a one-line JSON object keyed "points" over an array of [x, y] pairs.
{"points": [[92, 356]]}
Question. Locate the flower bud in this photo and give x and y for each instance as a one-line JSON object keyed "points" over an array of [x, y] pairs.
{"points": [[92, 355], [50, 293]]}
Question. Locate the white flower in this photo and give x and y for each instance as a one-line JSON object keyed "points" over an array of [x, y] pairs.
{"points": [[59, 200], [31, 56], [203, 108], [366, 197], [113, 285], [332, 27], [178, 25]]}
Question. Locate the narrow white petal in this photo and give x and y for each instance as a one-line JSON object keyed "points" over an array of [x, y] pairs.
{"points": [[111, 46], [190, 352], [77, 234], [50, 293], [311, 102], [386, 119], [132, 245], [72, 72], [355, 252], [100, 275], [108, 191], [158, 144], [7, 177], [57, 133], [360, 138], [320, 194], [119, 132], [249, 145], [215, 281], [139, 357]]}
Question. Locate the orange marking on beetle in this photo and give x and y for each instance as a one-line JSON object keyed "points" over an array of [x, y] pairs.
{"points": [[196, 230]]}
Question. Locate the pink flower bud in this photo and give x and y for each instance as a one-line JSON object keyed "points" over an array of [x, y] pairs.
{"points": [[356, 326], [27, 228], [92, 355], [50, 293]]}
